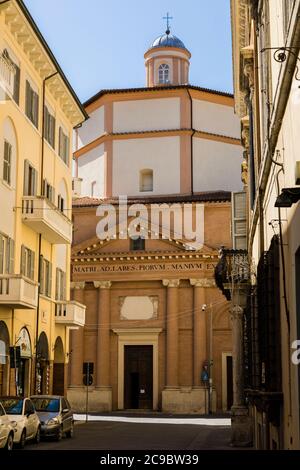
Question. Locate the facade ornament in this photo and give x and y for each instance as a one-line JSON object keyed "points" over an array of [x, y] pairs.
{"points": [[237, 312], [244, 171], [77, 285], [102, 284], [245, 132], [204, 282], [171, 282]]}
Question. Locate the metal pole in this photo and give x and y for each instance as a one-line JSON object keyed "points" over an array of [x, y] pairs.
{"points": [[87, 393], [210, 358]]}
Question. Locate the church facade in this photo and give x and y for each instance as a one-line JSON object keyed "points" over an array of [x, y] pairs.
{"points": [[155, 159]]}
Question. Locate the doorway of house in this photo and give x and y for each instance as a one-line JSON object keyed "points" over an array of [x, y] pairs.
{"points": [[138, 377]]}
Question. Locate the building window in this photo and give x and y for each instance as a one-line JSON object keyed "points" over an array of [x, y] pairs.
{"points": [[60, 284], [7, 251], [63, 146], [45, 276], [16, 87], [32, 104], [27, 262], [7, 162], [48, 191], [163, 74], [61, 203], [49, 127], [137, 244], [146, 180], [30, 179]]}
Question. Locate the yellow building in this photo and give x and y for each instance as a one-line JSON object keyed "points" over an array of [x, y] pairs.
{"points": [[38, 111]]}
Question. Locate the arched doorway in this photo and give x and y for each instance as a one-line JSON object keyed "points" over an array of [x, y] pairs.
{"points": [[59, 368], [23, 374], [42, 366], [4, 359]]}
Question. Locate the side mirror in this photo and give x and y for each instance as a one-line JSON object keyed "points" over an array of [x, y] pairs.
{"points": [[31, 412], [65, 410]]}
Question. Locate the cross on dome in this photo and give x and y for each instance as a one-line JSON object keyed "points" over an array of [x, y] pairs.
{"points": [[168, 24]]}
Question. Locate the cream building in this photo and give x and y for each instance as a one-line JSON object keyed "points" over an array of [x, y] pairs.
{"points": [[154, 316], [38, 111], [266, 38]]}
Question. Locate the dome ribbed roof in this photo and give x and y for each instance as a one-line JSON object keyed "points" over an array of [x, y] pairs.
{"points": [[167, 40]]}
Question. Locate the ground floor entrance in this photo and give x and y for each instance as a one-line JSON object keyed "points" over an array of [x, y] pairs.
{"points": [[138, 377]]}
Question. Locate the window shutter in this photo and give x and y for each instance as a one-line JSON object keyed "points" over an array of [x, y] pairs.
{"points": [[10, 256], [52, 195], [35, 109], [46, 122], [44, 187], [64, 287], [239, 232], [67, 150], [26, 178], [1, 254], [28, 99], [23, 260], [32, 256], [35, 178], [16, 95], [59, 201], [57, 284], [60, 142], [53, 131], [41, 279], [49, 280]]}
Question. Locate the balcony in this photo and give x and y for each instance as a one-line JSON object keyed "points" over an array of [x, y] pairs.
{"points": [[70, 313], [7, 76], [44, 217], [17, 291]]}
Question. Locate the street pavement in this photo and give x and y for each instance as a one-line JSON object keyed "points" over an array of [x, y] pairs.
{"points": [[114, 434]]}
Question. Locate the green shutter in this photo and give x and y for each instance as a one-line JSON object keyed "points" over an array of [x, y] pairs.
{"points": [[53, 131], [60, 142], [49, 289], [32, 257], [16, 94], [41, 269], [28, 100], [11, 255], [64, 287], [67, 150], [57, 284], [35, 181], [26, 178], [23, 260]]}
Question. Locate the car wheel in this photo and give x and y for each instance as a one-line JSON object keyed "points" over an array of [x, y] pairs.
{"points": [[70, 433], [59, 434], [37, 438], [9, 442], [23, 439]]}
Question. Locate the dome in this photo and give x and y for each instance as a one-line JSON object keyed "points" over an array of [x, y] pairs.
{"points": [[167, 40]]}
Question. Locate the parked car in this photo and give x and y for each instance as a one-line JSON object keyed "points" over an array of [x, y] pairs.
{"points": [[7, 430], [55, 414], [21, 410]]}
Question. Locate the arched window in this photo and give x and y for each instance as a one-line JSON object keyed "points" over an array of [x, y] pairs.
{"points": [[163, 73], [146, 180]]}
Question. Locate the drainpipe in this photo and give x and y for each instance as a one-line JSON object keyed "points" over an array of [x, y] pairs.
{"points": [[40, 236], [192, 135]]}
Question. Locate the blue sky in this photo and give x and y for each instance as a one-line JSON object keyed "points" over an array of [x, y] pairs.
{"points": [[101, 43]]}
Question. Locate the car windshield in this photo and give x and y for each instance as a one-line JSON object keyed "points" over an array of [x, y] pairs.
{"points": [[12, 406], [46, 404]]}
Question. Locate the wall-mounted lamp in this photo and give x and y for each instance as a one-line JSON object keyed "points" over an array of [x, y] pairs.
{"points": [[288, 197]]}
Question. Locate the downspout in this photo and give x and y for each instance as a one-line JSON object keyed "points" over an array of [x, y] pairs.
{"points": [[40, 235], [192, 135]]}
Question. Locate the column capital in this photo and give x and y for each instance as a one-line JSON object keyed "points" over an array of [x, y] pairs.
{"points": [[102, 284], [171, 282], [77, 285], [237, 312], [204, 282]]}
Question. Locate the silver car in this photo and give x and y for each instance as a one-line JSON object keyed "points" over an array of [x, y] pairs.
{"points": [[55, 415]]}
